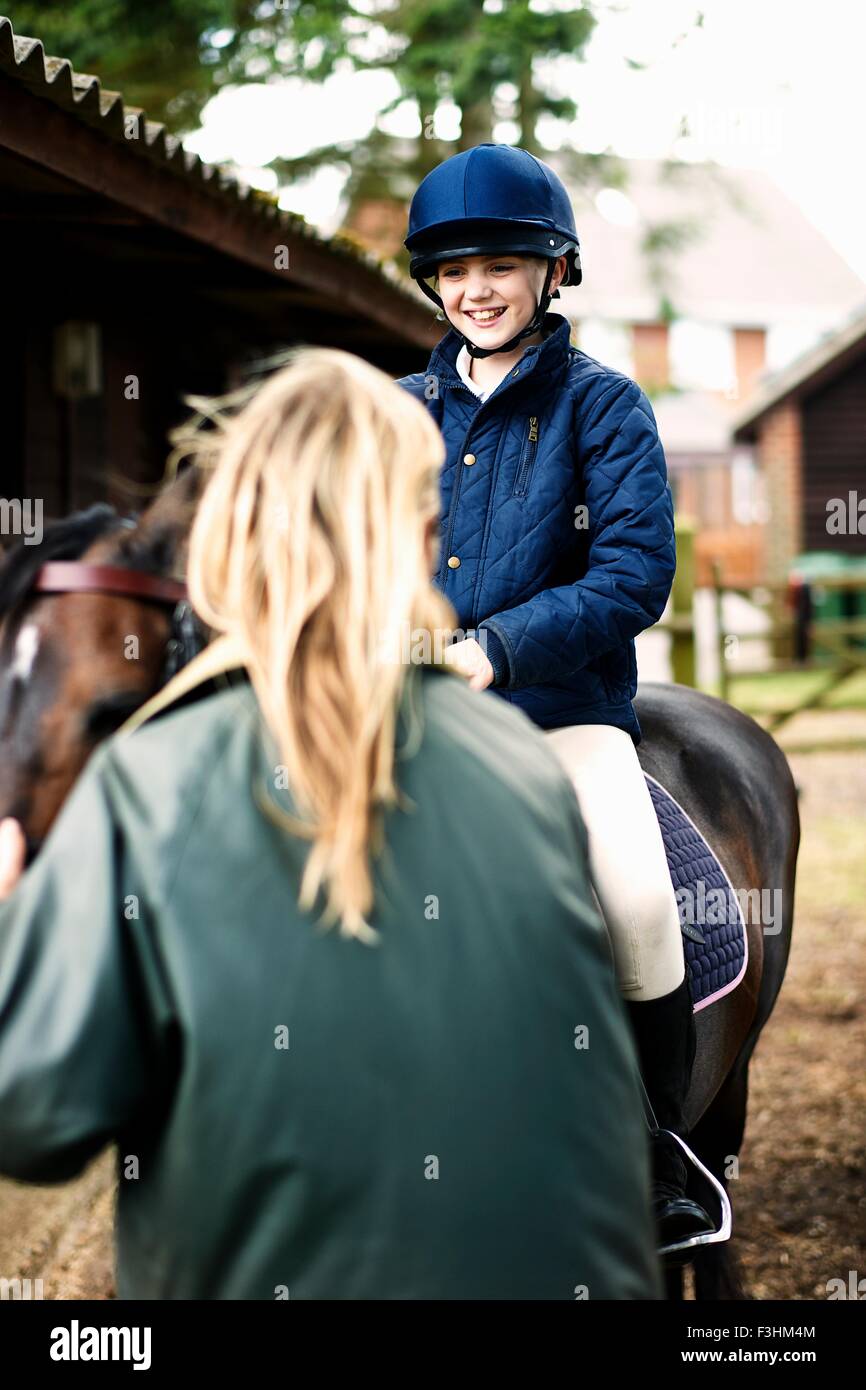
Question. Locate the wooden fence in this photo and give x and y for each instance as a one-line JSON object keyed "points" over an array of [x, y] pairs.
{"points": [[681, 622], [798, 640]]}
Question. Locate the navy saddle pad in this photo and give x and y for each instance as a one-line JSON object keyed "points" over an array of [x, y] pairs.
{"points": [[709, 907]]}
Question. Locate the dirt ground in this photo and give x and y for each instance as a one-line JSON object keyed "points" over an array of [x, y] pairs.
{"points": [[800, 1200]]}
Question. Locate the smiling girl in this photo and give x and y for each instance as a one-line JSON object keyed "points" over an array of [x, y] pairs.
{"points": [[557, 549]]}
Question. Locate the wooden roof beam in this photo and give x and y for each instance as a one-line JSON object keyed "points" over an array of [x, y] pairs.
{"points": [[52, 138]]}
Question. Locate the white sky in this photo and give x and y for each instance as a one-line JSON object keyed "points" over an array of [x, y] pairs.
{"points": [[771, 84]]}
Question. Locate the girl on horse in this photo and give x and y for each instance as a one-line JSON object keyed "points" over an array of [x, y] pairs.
{"points": [[557, 550]]}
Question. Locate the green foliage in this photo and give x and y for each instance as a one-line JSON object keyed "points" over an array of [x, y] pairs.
{"points": [[661, 243], [156, 53], [439, 51], [661, 238], [161, 54], [171, 56]]}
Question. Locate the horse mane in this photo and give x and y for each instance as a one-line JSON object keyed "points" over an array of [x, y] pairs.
{"points": [[66, 539]]}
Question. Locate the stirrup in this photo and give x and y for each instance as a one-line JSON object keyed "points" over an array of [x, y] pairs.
{"points": [[714, 1237]]}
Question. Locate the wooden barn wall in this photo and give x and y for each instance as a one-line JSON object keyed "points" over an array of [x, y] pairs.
{"points": [[834, 447], [12, 377], [62, 440], [112, 446], [71, 448], [164, 317]]}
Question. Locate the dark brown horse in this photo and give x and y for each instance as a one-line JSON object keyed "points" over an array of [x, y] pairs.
{"points": [[734, 782], [75, 665], [67, 680]]}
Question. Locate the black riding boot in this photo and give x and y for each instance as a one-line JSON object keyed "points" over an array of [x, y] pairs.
{"points": [[665, 1032]]}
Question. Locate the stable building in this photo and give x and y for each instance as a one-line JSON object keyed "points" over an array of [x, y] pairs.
{"points": [[806, 428], [694, 286], [135, 275]]}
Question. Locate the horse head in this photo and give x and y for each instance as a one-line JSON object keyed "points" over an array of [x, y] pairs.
{"points": [[75, 664]]}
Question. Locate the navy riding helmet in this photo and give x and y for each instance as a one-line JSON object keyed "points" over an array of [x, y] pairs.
{"points": [[489, 199]]}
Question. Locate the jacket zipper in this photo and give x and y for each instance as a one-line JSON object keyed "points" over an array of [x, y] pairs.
{"points": [[525, 466]]}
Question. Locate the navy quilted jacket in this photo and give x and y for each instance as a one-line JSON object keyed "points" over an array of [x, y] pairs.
{"points": [[557, 539]]}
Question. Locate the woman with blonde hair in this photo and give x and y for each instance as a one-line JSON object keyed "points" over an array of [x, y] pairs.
{"points": [[318, 949]]}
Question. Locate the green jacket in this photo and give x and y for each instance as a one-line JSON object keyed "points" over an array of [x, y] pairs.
{"points": [[302, 1115]]}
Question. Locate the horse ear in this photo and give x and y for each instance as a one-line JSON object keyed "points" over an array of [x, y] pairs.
{"points": [[175, 503], [158, 540]]}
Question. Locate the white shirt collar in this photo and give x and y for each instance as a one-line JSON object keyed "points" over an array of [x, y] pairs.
{"points": [[463, 365]]}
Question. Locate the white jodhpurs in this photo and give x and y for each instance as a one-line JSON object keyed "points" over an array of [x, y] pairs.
{"points": [[627, 861]]}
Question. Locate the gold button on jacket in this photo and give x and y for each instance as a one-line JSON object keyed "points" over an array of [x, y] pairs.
{"points": [[468, 459], [454, 562]]}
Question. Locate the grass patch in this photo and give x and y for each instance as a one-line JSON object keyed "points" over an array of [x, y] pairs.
{"points": [[788, 690]]}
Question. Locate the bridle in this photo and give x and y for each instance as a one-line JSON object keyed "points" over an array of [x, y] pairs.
{"points": [[187, 636]]}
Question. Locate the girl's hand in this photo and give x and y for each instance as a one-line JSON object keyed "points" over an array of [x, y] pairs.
{"points": [[13, 852], [469, 658]]}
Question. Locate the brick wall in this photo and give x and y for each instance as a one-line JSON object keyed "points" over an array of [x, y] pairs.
{"points": [[780, 452], [650, 353], [750, 356], [380, 224]]}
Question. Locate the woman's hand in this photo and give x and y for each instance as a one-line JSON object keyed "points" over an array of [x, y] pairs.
{"points": [[13, 853], [468, 657]]}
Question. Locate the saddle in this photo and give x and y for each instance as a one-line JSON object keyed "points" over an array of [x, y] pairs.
{"points": [[715, 941]]}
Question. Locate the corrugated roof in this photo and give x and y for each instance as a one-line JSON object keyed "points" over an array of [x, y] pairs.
{"points": [[25, 62], [756, 260]]}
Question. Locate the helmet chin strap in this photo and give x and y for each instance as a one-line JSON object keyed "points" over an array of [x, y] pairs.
{"points": [[538, 317]]}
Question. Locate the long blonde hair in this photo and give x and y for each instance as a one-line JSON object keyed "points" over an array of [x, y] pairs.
{"points": [[309, 549]]}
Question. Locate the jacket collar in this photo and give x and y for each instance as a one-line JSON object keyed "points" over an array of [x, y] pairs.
{"points": [[547, 356]]}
